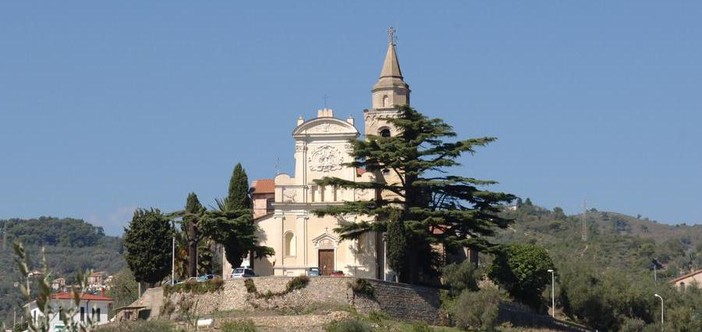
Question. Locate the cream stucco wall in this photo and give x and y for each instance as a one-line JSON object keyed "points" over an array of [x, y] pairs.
{"points": [[321, 148]]}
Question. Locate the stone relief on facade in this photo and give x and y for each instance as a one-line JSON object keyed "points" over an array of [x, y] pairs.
{"points": [[289, 196], [325, 159]]}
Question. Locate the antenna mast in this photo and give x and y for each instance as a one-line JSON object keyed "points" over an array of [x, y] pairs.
{"points": [[583, 223]]}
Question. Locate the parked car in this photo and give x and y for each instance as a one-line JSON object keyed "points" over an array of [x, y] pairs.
{"points": [[206, 277], [243, 272], [313, 272]]}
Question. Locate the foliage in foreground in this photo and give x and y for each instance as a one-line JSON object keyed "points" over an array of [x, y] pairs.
{"points": [[246, 325], [42, 298], [476, 310], [348, 325]]}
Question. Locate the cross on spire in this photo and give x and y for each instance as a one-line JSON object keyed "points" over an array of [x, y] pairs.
{"points": [[391, 35]]}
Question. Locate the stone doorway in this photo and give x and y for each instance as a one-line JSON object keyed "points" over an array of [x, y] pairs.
{"points": [[326, 261]]}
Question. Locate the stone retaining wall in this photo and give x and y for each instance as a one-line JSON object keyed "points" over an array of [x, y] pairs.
{"points": [[400, 301]]}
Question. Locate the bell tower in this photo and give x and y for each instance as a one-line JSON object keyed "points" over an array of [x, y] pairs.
{"points": [[388, 93]]}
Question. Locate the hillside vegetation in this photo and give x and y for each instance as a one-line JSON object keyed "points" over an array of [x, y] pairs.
{"points": [[604, 266], [71, 245]]}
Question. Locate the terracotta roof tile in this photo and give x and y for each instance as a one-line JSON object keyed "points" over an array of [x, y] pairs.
{"points": [[264, 186], [84, 296]]}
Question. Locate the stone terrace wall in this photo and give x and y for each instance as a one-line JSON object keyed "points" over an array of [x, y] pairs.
{"points": [[408, 302], [402, 301]]}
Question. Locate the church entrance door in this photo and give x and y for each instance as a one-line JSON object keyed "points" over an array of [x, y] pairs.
{"points": [[326, 261]]}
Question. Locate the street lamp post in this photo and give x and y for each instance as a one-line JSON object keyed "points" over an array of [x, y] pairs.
{"points": [[553, 292], [658, 296], [173, 257]]}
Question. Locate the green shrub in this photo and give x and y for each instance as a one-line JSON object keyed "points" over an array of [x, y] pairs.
{"points": [[362, 287], [138, 326], [250, 286], [239, 326], [476, 310], [297, 283], [421, 327], [349, 325], [377, 316], [458, 277], [192, 286]]}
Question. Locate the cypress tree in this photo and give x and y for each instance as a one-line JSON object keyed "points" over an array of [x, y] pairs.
{"points": [[238, 196], [192, 220]]}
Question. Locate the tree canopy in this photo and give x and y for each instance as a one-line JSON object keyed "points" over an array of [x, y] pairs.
{"points": [[522, 269], [415, 189], [147, 241]]}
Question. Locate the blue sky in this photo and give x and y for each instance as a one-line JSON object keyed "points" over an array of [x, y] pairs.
{"points": [[106, 107]]}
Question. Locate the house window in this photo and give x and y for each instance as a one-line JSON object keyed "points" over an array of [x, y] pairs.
{"points": [[385, 132], [386, 101], [290, 244], [97, 312], [82, 314], [269, 205]]}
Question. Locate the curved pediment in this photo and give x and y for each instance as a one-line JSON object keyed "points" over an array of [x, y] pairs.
{"points": [[326, 127]]}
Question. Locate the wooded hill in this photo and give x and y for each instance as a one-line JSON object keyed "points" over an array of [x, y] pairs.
{"points": [[72, 245], [608, 240]]}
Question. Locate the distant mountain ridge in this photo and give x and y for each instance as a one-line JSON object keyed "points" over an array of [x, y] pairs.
{"points": [[71, 246]]}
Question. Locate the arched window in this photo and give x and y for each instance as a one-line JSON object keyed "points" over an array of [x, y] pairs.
{"points": [[290, 244], [386, 101], [384, 132]]}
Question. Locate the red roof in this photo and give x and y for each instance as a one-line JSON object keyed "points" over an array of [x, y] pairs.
{"points": [[84, 296], [264, 186]]}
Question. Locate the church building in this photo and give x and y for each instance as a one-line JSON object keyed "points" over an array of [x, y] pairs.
{"points": [[283, 206]]}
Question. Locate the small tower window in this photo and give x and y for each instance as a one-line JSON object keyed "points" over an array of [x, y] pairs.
{"points": [[385, 132], [386, 101]]}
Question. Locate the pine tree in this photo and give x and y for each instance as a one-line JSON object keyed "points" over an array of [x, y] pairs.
{"points": [[433, 206], [147, 241]]}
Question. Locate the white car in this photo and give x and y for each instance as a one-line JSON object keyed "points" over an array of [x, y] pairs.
{"points": [[243, 272]]}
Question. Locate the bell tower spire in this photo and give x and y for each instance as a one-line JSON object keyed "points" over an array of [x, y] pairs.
{"points": [[391, 90], [389, 93]]}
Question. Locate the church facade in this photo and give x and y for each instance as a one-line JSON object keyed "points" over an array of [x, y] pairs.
{"points": [[283, 206]]}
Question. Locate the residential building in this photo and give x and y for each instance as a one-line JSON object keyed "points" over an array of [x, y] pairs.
{"points": [[91, 308]]}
